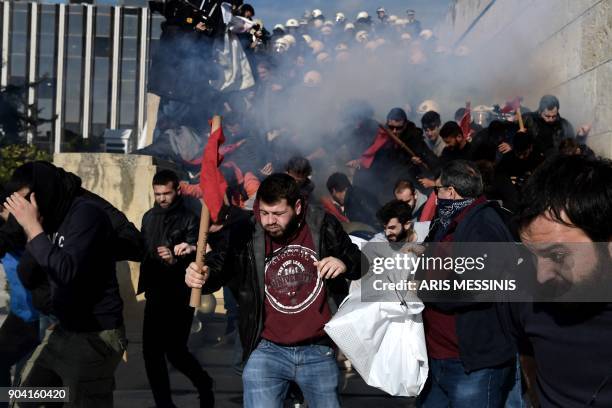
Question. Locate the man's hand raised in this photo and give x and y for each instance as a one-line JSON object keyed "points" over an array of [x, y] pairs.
{"points": [[26, 213]]}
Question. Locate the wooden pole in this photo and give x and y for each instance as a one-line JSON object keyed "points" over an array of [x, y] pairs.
{"points": [[402, 144], [196, 293], [519, 116]]}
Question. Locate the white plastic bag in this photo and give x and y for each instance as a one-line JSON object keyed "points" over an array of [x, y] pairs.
{"points": [[385, 343]]}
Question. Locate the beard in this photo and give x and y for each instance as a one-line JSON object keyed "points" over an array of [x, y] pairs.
{"points": [[278, 232], [401, 237], [595, 287]]}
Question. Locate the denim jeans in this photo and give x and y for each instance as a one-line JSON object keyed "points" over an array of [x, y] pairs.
{"points": [[449, 385], [515, 396], [270, 367]]}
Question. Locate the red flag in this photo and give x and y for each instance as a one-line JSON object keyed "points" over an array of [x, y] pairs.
{"points": [[466, 120], [512, 105], [429, 208], [331, 208], [212, 182], [381, 140]]}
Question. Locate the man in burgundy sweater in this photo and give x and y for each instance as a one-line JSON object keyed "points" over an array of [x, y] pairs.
{"points": [[290, 262]]}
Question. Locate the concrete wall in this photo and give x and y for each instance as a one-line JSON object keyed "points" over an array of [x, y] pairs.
{"points": [[125, 181], [568, 46]]}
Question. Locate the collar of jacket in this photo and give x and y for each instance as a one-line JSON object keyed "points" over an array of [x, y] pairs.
{"points": [[450, 230], [314, 220]]}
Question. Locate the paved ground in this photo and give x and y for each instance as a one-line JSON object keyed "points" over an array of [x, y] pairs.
{"points": [[132, 389]]}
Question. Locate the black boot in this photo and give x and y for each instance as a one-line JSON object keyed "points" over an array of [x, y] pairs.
{"points": [[205, 389]]}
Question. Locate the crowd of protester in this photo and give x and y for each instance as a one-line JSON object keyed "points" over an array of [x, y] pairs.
{"points": [[275, 117]]}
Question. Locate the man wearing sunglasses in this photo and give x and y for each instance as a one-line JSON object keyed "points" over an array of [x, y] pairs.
{"points": [[471, 359], [385, 156]]}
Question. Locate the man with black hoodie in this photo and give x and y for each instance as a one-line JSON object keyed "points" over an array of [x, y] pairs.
{"points": [[170, 232], [71, 238], [289, 263]]}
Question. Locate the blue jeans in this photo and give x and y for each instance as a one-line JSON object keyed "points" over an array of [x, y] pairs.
{"points": [[515, 395], [449, 385], [270, 367]]}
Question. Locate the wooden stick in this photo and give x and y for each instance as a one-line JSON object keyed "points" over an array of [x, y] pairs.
{"points": [[402, 144], [519, 116], [196, 293]]}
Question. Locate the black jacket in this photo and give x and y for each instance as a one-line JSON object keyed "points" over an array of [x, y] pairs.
{"points": [[449, 155], [81, 271], [126, 244], [176, 225], [361, 206], [547, 137], [483, 340], [393, 162], [244, 248]]}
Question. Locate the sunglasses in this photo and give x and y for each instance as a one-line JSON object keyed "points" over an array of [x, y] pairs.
{"points": [[436, 189], [395, 127]]}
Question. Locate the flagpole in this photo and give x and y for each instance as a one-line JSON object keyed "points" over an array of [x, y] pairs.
{"points": [[519, 116], [401, 144], [196, 293]]}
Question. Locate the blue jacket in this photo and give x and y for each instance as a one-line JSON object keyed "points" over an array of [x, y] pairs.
{"points": [[21, 299]]}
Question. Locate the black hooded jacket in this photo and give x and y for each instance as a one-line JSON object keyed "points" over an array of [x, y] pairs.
{"points": [[84, 288], [47, 180]]}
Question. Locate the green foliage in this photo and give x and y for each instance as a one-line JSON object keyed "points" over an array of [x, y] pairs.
{"points": [[13, 156]]}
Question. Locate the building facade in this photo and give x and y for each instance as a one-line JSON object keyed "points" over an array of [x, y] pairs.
{"points": [[89, 62]]}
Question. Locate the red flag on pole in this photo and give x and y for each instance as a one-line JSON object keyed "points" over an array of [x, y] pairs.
{"points": [[212, 182], [367, 158], [512, 105], [466, 120]]}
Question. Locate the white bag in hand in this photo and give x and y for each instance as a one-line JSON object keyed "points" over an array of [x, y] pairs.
{"points": [[384, 341]]}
